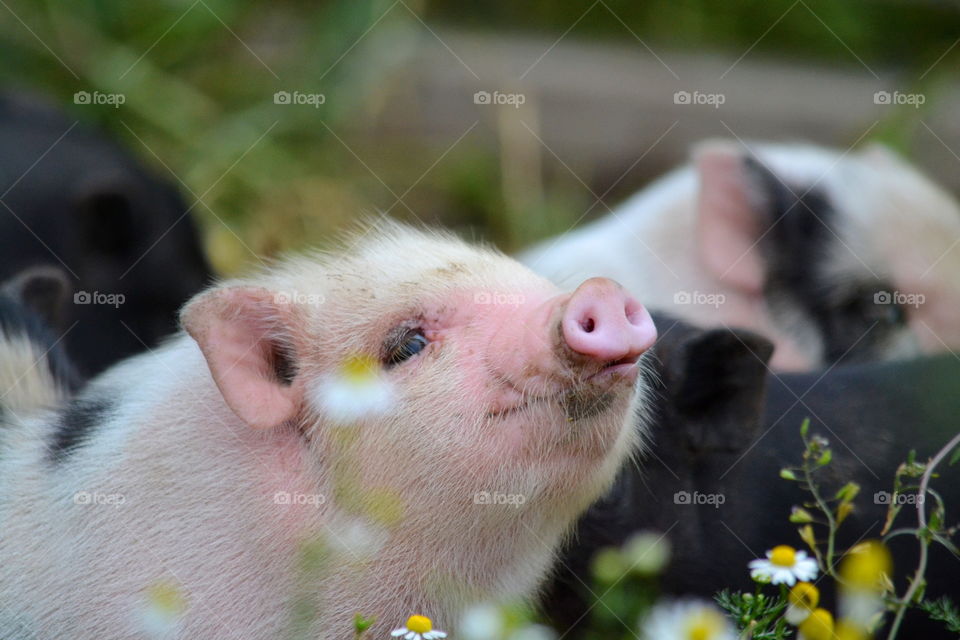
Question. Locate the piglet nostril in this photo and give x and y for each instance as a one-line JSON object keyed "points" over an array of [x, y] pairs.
{"points": [[587, 325]]}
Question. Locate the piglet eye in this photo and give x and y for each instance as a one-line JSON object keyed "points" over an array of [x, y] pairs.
{"points": [[408, 344], [895, 315]]}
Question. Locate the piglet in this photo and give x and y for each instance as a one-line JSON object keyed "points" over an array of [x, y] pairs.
{"points": [[726, 425], [35, 372], [406, 427], [835, 255], [74, 199]]}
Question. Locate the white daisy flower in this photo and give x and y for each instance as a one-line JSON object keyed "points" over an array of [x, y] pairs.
{"points": [[818, 626], [532, 632], [356, 539], [802, 600], [418, 628], [647, 553], [687, 620], [358, 390], [861, 609], [482, 622], [865, 572], [784, 565], [162, 610]]}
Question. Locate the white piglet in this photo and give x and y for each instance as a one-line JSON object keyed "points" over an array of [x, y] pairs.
{"points": [[406, 427]]}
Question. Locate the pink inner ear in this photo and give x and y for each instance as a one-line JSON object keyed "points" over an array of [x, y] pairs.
{"points": [[230, 326], [727, 218]]}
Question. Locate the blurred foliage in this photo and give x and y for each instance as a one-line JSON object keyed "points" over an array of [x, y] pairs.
{"points": [[199, 78], [891, 32]]}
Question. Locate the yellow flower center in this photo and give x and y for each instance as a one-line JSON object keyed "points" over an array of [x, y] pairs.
{"points": [[703, 625], [819, 626], [847, 631], [783, 556], [359, 370], [865, 565], [419, 624], [166, 598], [804, 595]]}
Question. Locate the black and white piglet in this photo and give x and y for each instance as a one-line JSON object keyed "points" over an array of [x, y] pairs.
{"points": [[75, 200], [833, 255], [725, 427], [35, 372]]}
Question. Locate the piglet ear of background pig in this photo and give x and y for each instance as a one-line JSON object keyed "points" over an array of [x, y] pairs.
{"points": [[105, 217], [717, 380], [238, 330], [44, 290], [728, 217]]}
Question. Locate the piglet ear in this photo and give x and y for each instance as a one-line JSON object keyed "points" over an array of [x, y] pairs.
{"points": [[717, 379], [242, 332], [729, 216], [42, 289]]}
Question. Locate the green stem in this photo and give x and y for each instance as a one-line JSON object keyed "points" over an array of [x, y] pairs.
{"points": [[921, 536], [765, 621], [831, 521]]}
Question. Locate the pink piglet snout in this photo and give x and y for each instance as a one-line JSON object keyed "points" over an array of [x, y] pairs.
{"points": [[603, 322]]}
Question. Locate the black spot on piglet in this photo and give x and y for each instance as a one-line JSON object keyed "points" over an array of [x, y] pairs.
{"points": [[76, 425]]}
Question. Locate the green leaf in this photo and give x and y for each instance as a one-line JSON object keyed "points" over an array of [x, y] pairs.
{"points": [[758, 614], [787, 474], [799, 515], [805, 428], [848, 492], [936, 520], [609, 565], [943, 610], [954, 456], [361, 624]]}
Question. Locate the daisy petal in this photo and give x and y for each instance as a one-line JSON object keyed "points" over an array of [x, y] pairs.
{"points": [[784, 576]]}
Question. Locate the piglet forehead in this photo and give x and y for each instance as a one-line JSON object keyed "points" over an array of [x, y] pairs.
{"points": [[394, 260]]}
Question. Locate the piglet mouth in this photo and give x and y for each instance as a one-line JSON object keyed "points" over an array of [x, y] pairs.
{"points": [[584, 397], [624, 368]]}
